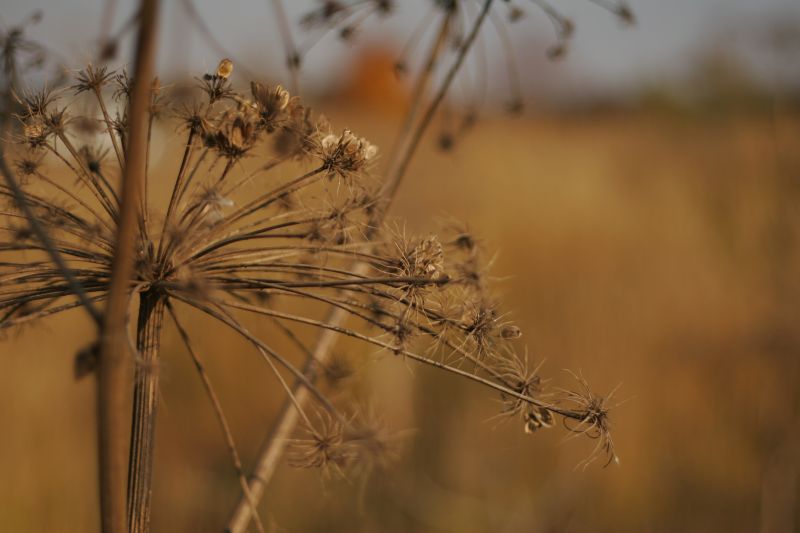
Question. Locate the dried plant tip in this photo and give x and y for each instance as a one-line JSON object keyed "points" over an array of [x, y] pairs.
{"points": [[92, 79], [446, 142], [271, 103], [625, 13], [519, 377], [347, 33], [86, 361], [224, 69], [36, 104], [400, 69], [338, 370], [537, 417], [108, 50], [345, 154], [515, 13], [375, 445], [27, 166], [592, 415], [557, 51], [294, 60], [93, 158], [510, 332], [35, 133], [322, 447], [427, 259]]}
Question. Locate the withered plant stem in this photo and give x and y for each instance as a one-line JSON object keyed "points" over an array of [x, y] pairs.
{"points": [[292, 58], [145, 407], [114, 361], [407, 153], [273, 449], [418, 92]]}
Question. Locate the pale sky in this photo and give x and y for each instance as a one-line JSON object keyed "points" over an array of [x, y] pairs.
{"points": [[661, 45]]}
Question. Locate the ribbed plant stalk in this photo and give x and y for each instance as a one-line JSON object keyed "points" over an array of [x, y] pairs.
{"points": [[145, 407]]}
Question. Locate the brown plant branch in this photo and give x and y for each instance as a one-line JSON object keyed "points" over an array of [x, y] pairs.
{"points": [[113, 382]]}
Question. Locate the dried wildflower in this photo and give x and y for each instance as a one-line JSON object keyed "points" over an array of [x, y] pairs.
{"points": [[28, 165], [267, 207], [270, 104], [526, 381], [221, 246], [374, 444], [591, 420], [484, 326], [345, 155], [323, 446], [92, 79], [337, 370], [247, 229]]}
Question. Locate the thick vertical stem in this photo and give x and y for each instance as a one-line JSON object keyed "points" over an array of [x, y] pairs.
{"points": [[113, 372], [145, 404]]}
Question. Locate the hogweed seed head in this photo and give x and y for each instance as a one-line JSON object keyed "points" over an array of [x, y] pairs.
{"points": [[269, 205]]}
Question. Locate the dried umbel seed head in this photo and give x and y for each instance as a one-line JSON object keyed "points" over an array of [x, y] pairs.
{"points": [[92, 79], [346, 154], [323, 446], [236, 136], [35, 132], [29, 165], [427, 259], [93, 158], [271, 104], [270, 214]]}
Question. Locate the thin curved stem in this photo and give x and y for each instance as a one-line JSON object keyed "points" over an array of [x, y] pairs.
{"points": [[219, 412]]}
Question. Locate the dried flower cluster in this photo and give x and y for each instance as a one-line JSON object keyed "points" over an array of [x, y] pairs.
{"points": [[267, 212], [268, 205]]}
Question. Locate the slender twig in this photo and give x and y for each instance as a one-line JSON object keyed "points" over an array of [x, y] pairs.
{"points": [[292, 56]]}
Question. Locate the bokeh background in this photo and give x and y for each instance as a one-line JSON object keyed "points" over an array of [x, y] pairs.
{"points": [[644, 212]]}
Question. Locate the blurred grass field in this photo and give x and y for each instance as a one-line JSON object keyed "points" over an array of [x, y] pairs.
{"points": [[645, 247]]}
